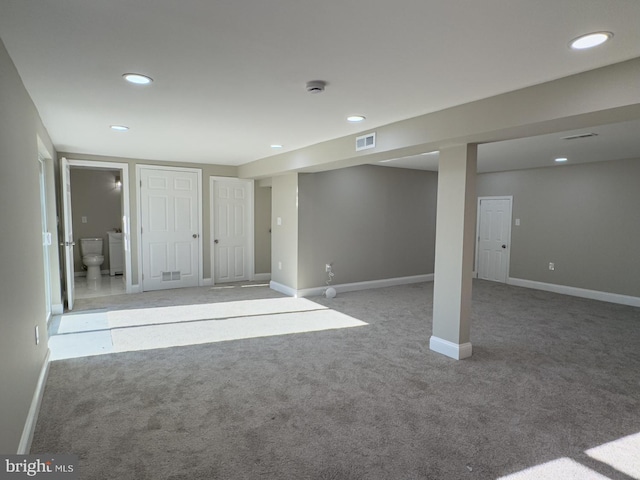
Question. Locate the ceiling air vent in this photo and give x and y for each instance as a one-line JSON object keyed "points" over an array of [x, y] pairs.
{"points": [[580, 135], [366, 141]]}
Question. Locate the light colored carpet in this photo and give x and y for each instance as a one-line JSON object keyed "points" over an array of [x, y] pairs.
{"points": [[551, 379]]}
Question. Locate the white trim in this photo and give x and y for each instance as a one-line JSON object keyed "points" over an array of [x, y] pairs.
{"points": [[250, 227], [278, 287], [576, 292], [30, 424], [352, 287], [504, 197], [136, 288], [57, 309], [198, 172], [126, 206], [450, 349], [262, 277], [207, 282]]}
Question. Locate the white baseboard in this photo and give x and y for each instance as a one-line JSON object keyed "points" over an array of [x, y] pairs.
{"points": [[135, 288], [450, 349], [206, 282], [261, 277], [30, 424], [57, 309], [278, 287], [352, 287], [576, 292]]}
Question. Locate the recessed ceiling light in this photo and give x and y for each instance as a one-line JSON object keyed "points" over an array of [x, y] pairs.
{"points": [[137, 78], [590, 40], [276, 145], [561, 159], [119, 128], [355, 118]]}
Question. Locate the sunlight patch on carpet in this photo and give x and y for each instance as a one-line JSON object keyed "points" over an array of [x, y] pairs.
{"points": [[622, 454], [209, 311], [98, 333], [210, 331], [562, 468]]}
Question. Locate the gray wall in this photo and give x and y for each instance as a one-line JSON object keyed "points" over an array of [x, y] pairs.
{"points": [[22, 287], [284, 247], [371, 222], [94, 196], [584, 218], [262, 229]]}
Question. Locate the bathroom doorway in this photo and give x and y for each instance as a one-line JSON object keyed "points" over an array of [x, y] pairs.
{"points": [[97, 248]]}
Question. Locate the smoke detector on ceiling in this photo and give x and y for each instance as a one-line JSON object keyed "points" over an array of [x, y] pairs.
{"points": [[316, 86]]}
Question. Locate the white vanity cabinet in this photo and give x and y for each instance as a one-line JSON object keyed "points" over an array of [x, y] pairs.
{"points": [[116, 253]]}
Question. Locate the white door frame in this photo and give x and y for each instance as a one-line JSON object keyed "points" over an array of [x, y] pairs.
{"points": [[46, 236], [126, 219], [198, 172], [250, 227], [504, 197]]}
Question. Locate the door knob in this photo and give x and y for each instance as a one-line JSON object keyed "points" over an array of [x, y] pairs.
{"points": [[195, 235], [215, 241], [504, 246]]}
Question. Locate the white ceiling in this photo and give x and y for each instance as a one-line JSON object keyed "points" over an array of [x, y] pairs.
{"points": [[230, 75]]}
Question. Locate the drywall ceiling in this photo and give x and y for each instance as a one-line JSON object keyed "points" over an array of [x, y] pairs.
{"points": [[230, 75], [610, 142]]}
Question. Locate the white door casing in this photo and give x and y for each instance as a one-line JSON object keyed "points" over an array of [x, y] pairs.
{"points": [[67, 239], [170, 219], [231, 229], [494, 238], [46, 237]]}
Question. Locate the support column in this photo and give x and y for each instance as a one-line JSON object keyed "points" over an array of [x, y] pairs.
{"points": [[455, 234]]}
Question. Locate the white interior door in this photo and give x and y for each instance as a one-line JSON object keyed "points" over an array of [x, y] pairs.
{"points": [[494, 238], [170, 220], [232, 231], [67, 242]]}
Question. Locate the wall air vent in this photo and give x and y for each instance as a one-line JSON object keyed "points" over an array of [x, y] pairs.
{"points": [[580, 135], [366, 141], [170, 276]]}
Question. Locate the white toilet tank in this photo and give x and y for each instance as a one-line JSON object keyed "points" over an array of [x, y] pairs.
{"points": [[91, 246]]}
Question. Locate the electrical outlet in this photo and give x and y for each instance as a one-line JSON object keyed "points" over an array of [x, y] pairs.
{"points": [[552, 266], [279, 265], [37, 334], [327, 267]]}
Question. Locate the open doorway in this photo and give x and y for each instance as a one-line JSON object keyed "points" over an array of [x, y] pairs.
{"points": [[97, 249]]}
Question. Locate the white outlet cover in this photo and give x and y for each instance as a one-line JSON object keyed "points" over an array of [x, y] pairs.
{"points": [[279, 221]]}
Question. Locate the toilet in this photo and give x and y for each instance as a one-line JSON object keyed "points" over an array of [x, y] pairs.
{"points": [[92, 258]]}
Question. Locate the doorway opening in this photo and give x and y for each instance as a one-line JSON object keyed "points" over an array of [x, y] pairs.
{"points": [[97, 248]]}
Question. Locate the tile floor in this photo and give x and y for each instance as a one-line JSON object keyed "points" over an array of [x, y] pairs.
{"points": [[106, 285]]}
